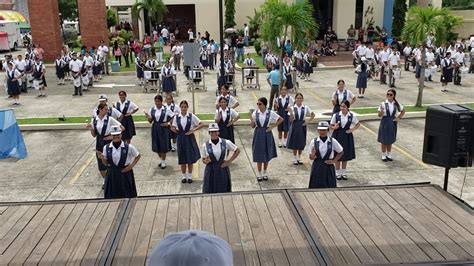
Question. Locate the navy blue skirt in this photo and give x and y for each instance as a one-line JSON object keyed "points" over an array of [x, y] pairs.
{"points": [[322, 175], [362, 80], [129, 125], [204, 62], [188, 150], [307, 68], [99, 146], [387, 131], [447, 75], [226, 132], [160, 138], [119, 185], [169, 85], [347, 142], [96, 70], [60, 72], [263, 146], [285, 126], [289, 82], [13, 88], [216, 179], [139, 72], [297, 136]]}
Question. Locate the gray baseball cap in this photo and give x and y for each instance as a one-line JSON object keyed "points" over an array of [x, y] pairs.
{"points": [[191, 248]]}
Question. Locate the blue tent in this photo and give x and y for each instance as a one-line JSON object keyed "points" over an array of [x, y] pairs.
{"points": [[11, 140]]}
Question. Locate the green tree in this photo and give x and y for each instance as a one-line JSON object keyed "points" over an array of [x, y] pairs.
{"points": [[399, 12], [281, 19], [421, 22], [111, 18], [156, 10], [68, 9], [254, 23], [229, 14]]}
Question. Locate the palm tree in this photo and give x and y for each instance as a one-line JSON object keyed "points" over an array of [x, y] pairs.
{"points": [[156, 10], [280, 18], [421, 22]]}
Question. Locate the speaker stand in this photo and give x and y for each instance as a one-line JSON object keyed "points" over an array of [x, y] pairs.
{"points": [[446, 177]]}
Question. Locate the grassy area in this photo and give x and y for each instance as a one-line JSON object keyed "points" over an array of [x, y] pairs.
{"points": [[257, 58], [408, 108], [87, 119]]}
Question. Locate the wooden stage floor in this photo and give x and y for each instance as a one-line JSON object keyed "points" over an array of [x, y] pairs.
{"points": [[363, 225]]}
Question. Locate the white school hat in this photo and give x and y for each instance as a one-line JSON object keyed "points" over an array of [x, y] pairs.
{"points": [[324, 125], [192, 247], [102, 97], [213, 127], [116, 130]]}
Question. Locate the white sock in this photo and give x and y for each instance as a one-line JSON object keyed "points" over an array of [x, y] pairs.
{"points": [[295, 157], [389, 154], [264, 172], [284, 141], [343, 171], [338, 172], [384, 154], [279, 141], [298, 157], [259, 173], [190, 176]]}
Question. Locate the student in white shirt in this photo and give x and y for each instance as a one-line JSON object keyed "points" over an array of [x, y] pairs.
{"points": [[430, 62], [127, 108], [215, 152], [282, 105], [390, 111], [175, 109], [384, 54], [76, 66], [325, 152], [393, 62], [231, 100], [226, 117], [458, 58]]}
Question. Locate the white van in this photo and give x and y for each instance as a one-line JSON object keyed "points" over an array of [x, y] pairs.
{"points": [[12, 28]]}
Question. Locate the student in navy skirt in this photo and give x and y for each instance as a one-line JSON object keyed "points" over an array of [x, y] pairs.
{"points": [[160, 117], [391, 111], [287, 71], [214, 156], [175, 109], [13, 88], [298, 127], [263, 144], [225, 118], [127, 108], [362, 77], [325, 152], [120, 158], [340, 95], [185, 124], [167, 74], [307, 67], [343, 124], [282, 106], [60, 65], [232, 102], [100, 128], [447, 68], [139, 65]]}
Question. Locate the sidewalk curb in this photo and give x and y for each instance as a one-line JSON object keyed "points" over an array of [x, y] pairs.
{"points": [[242, 122]]}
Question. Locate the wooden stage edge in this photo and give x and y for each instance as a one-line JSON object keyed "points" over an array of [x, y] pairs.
{"points": [[392, 224]]}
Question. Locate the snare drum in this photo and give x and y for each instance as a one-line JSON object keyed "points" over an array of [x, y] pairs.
{"points": [[397, 73], [463, 72]]}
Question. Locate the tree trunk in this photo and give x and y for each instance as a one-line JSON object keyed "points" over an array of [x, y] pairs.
{"points": [[151, 24], [281, 57], [421, 81]]}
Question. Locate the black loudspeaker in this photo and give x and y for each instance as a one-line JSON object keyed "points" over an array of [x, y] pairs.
{"points": [[449, 133]]}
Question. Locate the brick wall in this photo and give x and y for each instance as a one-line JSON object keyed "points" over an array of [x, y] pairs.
{"points": [[44, 21], [93, 22]]}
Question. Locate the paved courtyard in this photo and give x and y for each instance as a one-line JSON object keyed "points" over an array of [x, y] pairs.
{"points": [[61, 164]]}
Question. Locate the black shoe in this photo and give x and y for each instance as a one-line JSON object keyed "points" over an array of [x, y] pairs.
{"points": [[190, 180], [385, 160], [300, 162], [103, 186], [279, 145], [259, 179], [183, 180], [344, 177], [265, 178], [389, 159], [75, 94], [338, 177]]}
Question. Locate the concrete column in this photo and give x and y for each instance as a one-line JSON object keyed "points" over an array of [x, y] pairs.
{"points": [[44, 22], [93, 21], [343, 16]]}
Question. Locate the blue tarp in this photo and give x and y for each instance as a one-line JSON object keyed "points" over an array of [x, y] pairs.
{"points": [[11, 140]]}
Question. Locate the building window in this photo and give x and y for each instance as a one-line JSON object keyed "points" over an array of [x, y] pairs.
{"points": [[359, 15]]}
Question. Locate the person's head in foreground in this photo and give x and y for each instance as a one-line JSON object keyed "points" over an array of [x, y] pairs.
{"points": [[191, 248]]}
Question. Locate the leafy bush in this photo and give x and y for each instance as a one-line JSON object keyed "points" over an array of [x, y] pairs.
{"points": [[77, 43], [314, 62], [126, 35], [119, 39], [257, 46], [70, 35]]}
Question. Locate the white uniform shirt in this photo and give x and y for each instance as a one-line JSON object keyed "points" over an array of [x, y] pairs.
{"points": [[115, 113], [151, 63], [184, 120], [361, 50], [262, 116], [407, 50], [191, 34], [116, 153], [131, 107], [370, 53], [176, 109], [391, 106], [165, 33], [291, 101], [393, 59], [169, 113], [175, 49], [350, 95], [444, 62], [167, 71], [459, 57], [216, 148], [430, 57], [307, 110], [323, 147], [103, 50], [246, 31], [100, 124], [16, 73], [231, 100], [344, 119], [384, 55], [75, 65], [20, 65], [233, 114], [88, 61]]}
